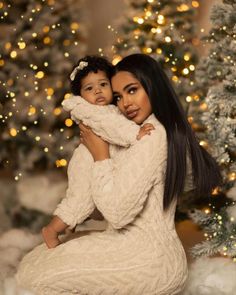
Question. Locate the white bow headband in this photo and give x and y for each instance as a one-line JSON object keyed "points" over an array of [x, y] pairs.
{"points": [[81, 66]]}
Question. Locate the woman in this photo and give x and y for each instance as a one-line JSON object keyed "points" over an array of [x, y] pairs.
{"points": [[136, 189]]}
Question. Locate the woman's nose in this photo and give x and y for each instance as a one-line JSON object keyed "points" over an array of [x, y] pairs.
{"points": [[126, 101]]}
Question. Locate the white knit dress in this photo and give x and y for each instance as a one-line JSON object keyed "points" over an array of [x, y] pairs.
{"points": [[139, 253]]}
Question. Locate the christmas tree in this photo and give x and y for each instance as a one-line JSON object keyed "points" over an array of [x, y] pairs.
{"points": [[217, 76], [166, 31], [41, 41]]}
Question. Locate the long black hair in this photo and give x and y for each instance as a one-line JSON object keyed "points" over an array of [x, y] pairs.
{"points": [[180, 137]]}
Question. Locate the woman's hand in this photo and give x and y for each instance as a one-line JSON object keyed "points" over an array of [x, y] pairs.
{"points": [[98, 148]]}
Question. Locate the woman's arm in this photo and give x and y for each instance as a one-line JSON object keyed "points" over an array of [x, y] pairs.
{"points": [[119, 189], [78, 203], [106, 121]]}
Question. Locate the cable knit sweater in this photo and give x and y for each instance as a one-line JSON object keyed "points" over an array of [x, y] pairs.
{"points": [[78, 203], [139, 253]]}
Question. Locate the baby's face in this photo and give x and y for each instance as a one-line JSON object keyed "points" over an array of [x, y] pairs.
{"points": [[96, 88]]}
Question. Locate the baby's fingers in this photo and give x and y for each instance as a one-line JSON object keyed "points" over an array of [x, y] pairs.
{"points": [[149, 128], [141, 134], [148, 125]]}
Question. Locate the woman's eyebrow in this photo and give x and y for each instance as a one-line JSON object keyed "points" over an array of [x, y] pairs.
{"points": [[130, 84], [126, 86]]}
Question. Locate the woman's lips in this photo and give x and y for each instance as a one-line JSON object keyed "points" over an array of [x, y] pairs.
{"points": [[132, 114]]}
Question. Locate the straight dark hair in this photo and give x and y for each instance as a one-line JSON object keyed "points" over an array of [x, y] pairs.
{"points": [[180, 137]]}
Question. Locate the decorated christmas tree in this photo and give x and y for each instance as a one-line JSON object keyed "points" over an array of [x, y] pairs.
{"points": [[40, 42], [216, 77], [166, 31]]}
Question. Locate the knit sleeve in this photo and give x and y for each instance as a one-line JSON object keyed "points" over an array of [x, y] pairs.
{"points": [[106, 121], [120, 188], [78, 203]]}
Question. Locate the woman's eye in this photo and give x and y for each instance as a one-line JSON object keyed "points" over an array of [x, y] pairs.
{"points": [[117, 98], [132, 90]]}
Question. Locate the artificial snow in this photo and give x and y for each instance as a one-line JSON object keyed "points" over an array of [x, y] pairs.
{"points": [[211, 276], [14, 244], [42, 192]]}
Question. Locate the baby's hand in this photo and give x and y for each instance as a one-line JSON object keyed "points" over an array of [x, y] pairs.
{"points": [[145, 129], [50, 237]]}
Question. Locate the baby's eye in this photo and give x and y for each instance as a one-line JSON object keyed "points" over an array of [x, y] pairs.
{"points": [[89, 88], [103, 84], [132, 90]]}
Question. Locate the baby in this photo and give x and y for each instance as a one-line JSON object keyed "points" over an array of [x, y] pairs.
{"points": [[91, 103]]}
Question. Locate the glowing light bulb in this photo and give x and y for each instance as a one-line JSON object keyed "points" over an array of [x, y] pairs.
{"points": [[232, 176], [185, 71], [74, 26], [192, 68], [68, 122], [188, 98], [32, 111], [160, 19], [175, 79], [8, 45], [168, 39], [67, 95], [195, 4], [57, 111], [50, 91], [187, 57], [39, 75], [46, 29], [183, 7], [203, 143], [203, 106], [116, 59], [13, 54], [61, 163], [13, 132], [21, 45], [47, 40], [138, 20], [148, 13]]}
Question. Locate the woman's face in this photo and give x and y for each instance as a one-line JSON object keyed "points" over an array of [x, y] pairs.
{"points": [[132, 99]]}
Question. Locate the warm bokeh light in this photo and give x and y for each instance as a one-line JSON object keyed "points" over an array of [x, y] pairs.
{"points": [[13, 54], [68, 122], [13, 132], [39, 75], [61, 163]]}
